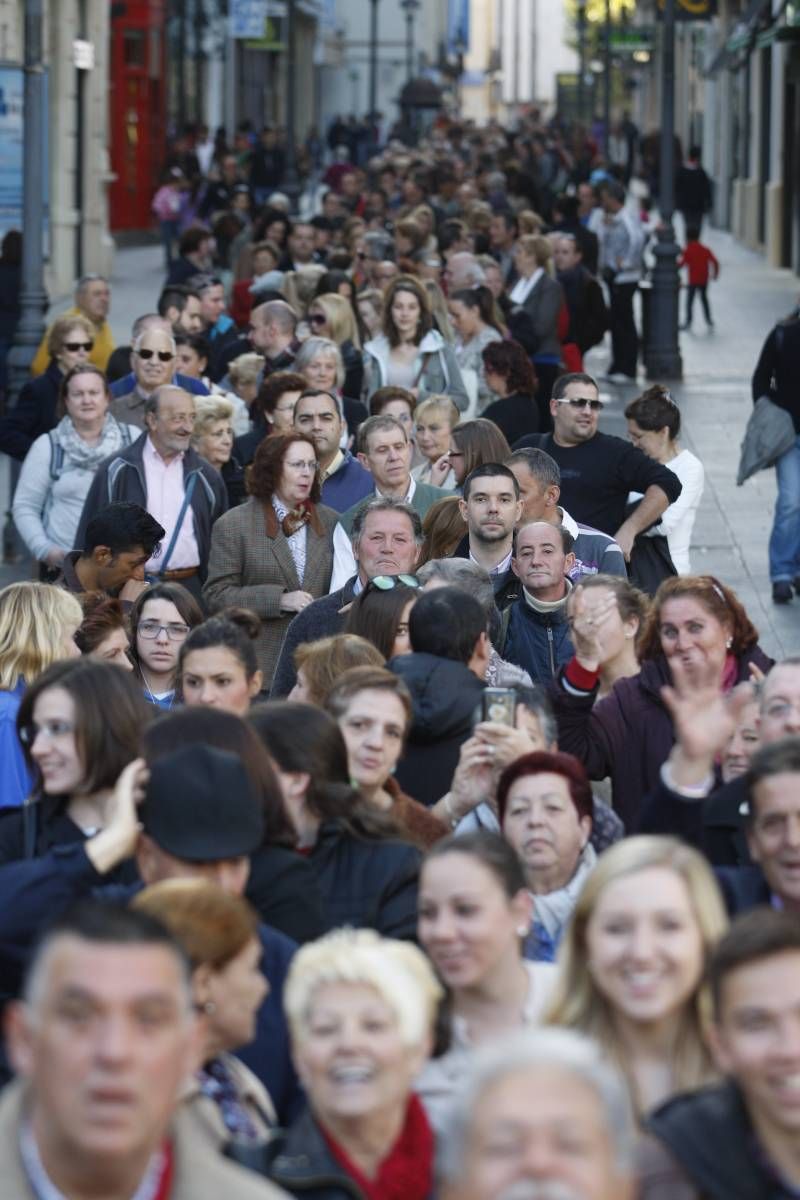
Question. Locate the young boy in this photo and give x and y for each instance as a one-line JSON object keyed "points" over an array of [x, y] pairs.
{"points": [[701, 262]]}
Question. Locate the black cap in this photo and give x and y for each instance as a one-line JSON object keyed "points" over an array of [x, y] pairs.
{"points": [[200, 806]]}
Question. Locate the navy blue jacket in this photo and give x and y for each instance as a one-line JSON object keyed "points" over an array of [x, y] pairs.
{"points": [[33, 414], [126, 385], [537, 642], [348, 485], [322, 618], [32, 889]]}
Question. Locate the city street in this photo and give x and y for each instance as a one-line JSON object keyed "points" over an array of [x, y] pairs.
{"points": [[733, 525]]}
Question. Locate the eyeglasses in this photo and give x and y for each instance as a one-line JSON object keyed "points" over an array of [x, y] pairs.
{"points": [[317, 318], [54, 730], [161, 355], [175, 631], [74, 347], [385, 583], [582, 402], [303, 466]]}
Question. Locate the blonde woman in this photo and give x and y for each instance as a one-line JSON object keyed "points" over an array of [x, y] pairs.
{"points": [[361, 1010], [245, 374], [631, 965], [434, 421], [331, 316], [213, 439], [38, 623]]}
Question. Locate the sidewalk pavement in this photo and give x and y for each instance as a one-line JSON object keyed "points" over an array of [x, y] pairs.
{"points": [[733, 524]]}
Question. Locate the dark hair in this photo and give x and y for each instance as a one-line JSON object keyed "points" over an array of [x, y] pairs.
{"points": [[541, 465], [375, 615], [693, 233], [490, 470], [542, 762], [479, 297], [361, 679], [275, 386], [385, 395], [103, 923], [190, 611], [123, 527], [563, 382], [535, 699], [446, 622], [717, 598], [11, 248], [265, 472], [235, 629], [195, 341], [331, 281], [175, 295], [119, 364], [85, 368], [406, 283], [509, 359], [655, 409], [761, 933], [102, 615], [489, 849], [480, 441], [300, 737], [110, 716], [192, 239], [222, 730], [773, 759]]}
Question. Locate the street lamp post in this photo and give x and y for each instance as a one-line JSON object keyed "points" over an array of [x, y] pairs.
{"points": [[581, 60], [607, 81], [291, 182], [662, 352], [373, 62], [410, 9]]}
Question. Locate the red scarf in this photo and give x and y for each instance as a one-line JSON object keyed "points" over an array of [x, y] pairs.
{"points": [[164, 1188], [407, 1171]]}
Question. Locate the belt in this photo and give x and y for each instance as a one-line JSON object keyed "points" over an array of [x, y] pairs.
{"points": [[179, 573]]}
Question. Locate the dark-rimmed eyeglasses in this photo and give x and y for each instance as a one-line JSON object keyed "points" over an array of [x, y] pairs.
{"points": [[175, 630], [164, 356], [385, 583], [74, 347], [581, 402]]}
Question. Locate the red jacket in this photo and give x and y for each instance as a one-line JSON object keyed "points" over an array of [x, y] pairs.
{"points": [[698, 258]]}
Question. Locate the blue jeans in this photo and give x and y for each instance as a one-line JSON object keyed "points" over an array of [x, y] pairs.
{"points": [[784, 542]]}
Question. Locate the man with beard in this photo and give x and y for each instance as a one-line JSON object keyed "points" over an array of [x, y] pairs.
{"points": [[491, 507], [535, 631], [543, 1116]]}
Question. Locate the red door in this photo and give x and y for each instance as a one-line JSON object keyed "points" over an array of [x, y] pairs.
{"points": [[137, 97]]}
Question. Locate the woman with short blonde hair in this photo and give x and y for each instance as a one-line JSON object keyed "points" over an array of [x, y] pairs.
{"points": [[365, 1131], [213, 438], [340, 322], [650, 901], [319, 664]]}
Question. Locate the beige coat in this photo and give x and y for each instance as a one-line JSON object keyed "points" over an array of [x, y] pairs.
{"points": [[200, 1173], [251, 566], [205, 1118]]}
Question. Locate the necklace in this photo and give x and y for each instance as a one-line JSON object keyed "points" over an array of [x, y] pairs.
{"points": [[152, 697]]}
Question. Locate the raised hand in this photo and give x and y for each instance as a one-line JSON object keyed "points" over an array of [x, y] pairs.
{"points": [[117, 841], [703, 717], [440, 470], [589, 611]]}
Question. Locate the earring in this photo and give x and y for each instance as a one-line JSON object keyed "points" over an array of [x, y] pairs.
{"points": [[729, 643], [522, 930]]}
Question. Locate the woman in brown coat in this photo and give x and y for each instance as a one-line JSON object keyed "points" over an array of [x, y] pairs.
{"points": [[274, 553]]}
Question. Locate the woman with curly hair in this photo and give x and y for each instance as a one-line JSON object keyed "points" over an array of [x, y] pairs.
{"points": [[696, 627], [510, 375], [274, 553]]}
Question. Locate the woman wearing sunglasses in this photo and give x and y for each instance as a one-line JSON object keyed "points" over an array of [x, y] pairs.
{"points": [[60, 465], [332, 316], [69, 344]]}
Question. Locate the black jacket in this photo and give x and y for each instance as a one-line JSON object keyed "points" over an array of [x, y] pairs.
{"points": [[516, 416], [780, 361], [121, 477], [366, 882], [709, 1134], [321, 619], [716, 825], [283, 890], [446, 697], [304, 1165], [33, 414], [506, 586]]}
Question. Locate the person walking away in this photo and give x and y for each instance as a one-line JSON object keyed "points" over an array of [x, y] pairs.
{"points": [[702, 265], [693, 191]]}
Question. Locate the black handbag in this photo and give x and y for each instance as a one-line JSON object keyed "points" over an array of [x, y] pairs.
{"points": [[651, 563]]}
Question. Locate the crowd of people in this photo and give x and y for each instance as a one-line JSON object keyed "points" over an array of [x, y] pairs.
{"points": [[387, 810]]}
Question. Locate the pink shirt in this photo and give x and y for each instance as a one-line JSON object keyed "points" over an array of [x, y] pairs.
{"points": [[164, 483]]}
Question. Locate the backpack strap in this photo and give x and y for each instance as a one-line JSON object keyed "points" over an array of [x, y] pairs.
{"points": [[56, 457], [505, 618]]}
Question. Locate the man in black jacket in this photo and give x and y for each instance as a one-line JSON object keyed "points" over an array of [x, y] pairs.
{"points": [[599, 470], [445, 674], [588, 315], [738, 1140]]}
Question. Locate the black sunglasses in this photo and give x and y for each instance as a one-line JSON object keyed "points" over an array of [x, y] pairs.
{"points": [[73, 347], [161, 355]]}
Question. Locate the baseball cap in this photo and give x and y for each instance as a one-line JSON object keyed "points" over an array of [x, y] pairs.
{"points": [[200, 806]]}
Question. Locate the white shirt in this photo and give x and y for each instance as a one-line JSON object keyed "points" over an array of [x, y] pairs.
{"points": [[677, 521], [344, 561], [523, 287]]}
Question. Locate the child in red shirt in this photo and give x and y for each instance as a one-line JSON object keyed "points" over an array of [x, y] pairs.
{"points": [[702, 265]]}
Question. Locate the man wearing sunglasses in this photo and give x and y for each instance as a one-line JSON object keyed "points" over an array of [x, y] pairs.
{"points": [[92, 300], [598, 470], [128, 393]]}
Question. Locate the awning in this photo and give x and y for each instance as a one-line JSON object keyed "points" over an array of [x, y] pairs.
{"points": [[742, 35]]}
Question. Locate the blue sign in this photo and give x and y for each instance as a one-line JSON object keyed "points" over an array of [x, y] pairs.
{"points": [[457, 26], [11, 134], [248, 18]]}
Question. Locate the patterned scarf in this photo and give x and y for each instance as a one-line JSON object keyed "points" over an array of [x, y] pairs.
{"points": [[78, 453], [296, 518]]}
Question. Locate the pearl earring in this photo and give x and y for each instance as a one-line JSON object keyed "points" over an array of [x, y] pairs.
{"points": [[729, 643], [522, 930]]}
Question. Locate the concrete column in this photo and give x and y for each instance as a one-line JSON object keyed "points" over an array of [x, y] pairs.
{"points": [[774, 197]]}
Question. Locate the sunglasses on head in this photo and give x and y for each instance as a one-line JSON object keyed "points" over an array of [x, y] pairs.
{"points": [[161, 355], [74, 347], [385, 583]]}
